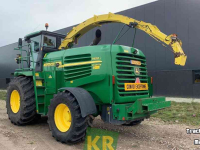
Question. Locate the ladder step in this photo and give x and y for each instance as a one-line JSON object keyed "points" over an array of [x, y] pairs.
{"points": [[38, 78], [40, 103], [40, 86], [41, 95]]}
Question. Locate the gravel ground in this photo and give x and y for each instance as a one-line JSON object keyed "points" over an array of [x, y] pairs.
{"points": [[151, 134]]}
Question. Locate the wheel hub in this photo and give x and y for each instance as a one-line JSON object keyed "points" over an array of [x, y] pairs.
{"points": [[15, 101], [62, 117]]}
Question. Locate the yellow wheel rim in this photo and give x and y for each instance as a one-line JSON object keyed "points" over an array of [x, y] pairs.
{"points": [[15, 101], [62, 117]]}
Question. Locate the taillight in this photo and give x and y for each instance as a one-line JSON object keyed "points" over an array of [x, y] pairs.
{"points": [[113, 79], [151, 80]]}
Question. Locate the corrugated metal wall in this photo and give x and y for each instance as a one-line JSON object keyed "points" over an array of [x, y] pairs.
{"points": [[7, 63], [170, 16]]}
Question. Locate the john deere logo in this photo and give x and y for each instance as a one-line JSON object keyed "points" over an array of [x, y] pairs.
{"points": [[137, 70]]}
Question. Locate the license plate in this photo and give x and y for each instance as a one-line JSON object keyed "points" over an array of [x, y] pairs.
{"points": [[134, 62], [135, 86]]}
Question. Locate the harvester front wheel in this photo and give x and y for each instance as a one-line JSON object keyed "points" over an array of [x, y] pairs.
{"points": [[20, 103], [65, 120]]}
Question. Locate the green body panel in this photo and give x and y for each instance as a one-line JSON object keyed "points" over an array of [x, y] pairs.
{"points": [[96, 81], [102, 70]]}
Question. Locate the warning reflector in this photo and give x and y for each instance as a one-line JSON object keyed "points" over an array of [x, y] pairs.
{"points": [[137, 80]]}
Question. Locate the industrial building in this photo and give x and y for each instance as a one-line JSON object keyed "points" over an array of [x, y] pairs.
{"points": [[170, 16]]}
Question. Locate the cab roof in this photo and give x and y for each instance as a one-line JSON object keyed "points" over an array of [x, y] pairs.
{"points": [[28, 36]]}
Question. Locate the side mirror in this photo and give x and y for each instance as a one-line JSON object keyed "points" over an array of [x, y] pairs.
{"points": [[20, 42]]}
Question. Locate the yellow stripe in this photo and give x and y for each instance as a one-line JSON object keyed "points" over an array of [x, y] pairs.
{"points": [[81, 63], [52, 64]]}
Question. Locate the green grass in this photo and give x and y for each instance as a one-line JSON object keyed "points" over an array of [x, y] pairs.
{"points": [[2, 95], [181, 113]]}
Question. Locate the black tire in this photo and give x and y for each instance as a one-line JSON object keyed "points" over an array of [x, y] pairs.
{"points": [[77, 131], [134, 123], [27, 109]]}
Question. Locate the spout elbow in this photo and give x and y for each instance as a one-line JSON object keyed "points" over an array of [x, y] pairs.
{"points": [[180, 60]]}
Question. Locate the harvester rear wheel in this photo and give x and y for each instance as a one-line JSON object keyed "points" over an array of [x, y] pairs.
{"points": [[65, 120], [20, 103]]}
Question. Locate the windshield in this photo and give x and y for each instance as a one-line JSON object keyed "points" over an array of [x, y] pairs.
{"points": [[49, 41]]}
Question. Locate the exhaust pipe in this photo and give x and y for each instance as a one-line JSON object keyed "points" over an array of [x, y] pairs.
{"points": [[97, 38]]}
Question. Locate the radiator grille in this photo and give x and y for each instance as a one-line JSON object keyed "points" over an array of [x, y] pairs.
{"points": [[125, 73], [77, 71]]}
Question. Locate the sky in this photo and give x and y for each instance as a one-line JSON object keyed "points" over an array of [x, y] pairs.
{"points": [[21, 17]]}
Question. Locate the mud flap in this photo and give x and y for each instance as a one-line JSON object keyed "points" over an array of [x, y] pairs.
{"points": [[84, 99]]}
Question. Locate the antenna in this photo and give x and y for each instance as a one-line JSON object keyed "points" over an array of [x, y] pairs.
{"points": [[36, 27]]}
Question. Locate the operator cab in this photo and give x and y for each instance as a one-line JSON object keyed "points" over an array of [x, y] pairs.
{"points": [[45, 38], [42, 42]]}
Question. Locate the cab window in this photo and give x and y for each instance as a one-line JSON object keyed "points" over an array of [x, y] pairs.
{"points": [[35, 44], [35, 41], [196, 76], [49, 41]]}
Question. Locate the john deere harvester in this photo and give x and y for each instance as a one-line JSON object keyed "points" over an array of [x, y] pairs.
{"points": [[73, 85]]}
